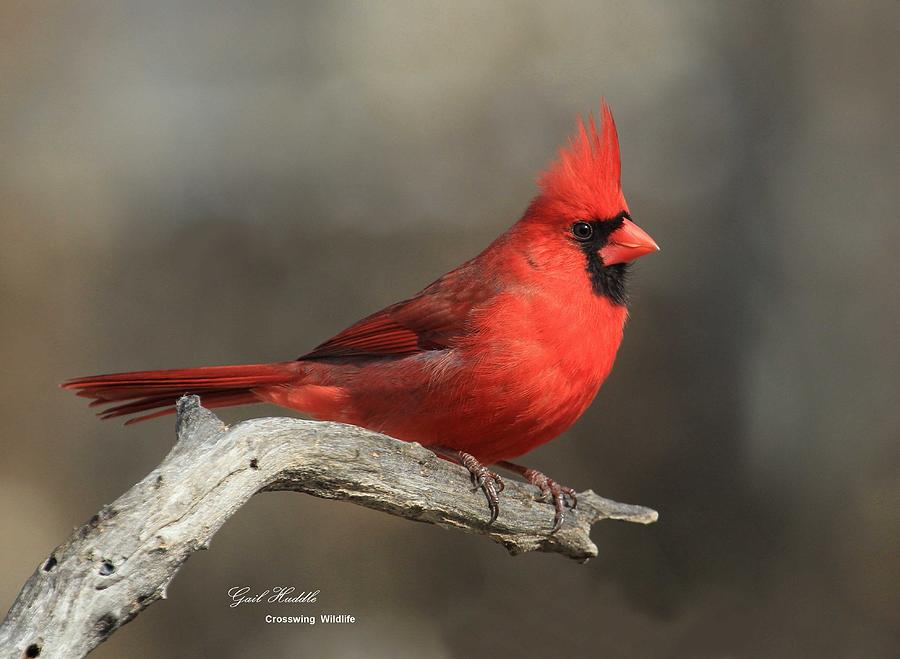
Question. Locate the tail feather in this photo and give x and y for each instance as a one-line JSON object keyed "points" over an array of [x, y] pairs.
{"points": [[217, 399], [139, 405], [141, 391]]}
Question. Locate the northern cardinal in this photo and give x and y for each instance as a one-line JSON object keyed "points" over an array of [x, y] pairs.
{"points": [[496, 357]]}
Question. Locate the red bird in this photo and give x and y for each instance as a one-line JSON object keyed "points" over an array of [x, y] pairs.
{"points": [[496, 357]]}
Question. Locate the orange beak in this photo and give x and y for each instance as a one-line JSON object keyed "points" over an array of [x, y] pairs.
{"points": [[627, 243]]}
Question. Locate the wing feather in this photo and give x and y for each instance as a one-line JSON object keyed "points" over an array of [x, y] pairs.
{"points": [[428, 321]]}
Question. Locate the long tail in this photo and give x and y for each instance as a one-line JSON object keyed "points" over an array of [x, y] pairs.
{"points": [[141, 391]]}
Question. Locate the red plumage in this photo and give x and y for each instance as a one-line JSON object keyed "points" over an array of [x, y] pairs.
{"points": [[493, 359]]}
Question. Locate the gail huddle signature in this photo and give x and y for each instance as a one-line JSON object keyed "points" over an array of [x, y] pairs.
{"points": [[275, 595]]}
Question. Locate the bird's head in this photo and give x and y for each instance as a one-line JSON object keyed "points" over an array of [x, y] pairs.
{"points": [[582, 212]]}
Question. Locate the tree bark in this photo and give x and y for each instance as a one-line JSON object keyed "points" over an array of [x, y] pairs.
{"points": [[122, 559]]}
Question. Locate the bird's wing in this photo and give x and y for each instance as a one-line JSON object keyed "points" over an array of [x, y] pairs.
{"points": [[428, 321]]}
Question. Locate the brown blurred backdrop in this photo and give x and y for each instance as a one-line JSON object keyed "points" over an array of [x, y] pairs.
{"points": [[224, 182]]}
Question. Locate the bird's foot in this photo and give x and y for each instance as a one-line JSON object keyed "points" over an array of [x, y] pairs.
{"points": [[482, 478], [485, 480], [560, 495], [552, 490]]}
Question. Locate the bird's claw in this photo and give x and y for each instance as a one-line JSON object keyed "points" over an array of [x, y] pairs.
{"points": [[558, 494], [485, 480]]}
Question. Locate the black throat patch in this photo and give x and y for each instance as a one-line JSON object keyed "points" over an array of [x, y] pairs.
{"points": [[608, 281]]}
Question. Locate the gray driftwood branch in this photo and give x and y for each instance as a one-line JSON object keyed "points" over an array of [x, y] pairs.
{"points": [[124, 557]]}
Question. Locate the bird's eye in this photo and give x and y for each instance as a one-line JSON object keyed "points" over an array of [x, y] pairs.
{"points": [[582, 231]]}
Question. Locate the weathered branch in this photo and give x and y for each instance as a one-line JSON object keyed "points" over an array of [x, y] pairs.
{"points": [[121, 561]]}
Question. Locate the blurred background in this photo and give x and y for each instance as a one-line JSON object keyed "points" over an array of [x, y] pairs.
{"points": [[227, 182]]}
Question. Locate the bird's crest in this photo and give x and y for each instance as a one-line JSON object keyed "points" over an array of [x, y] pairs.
{"points": [[584, 181]]}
